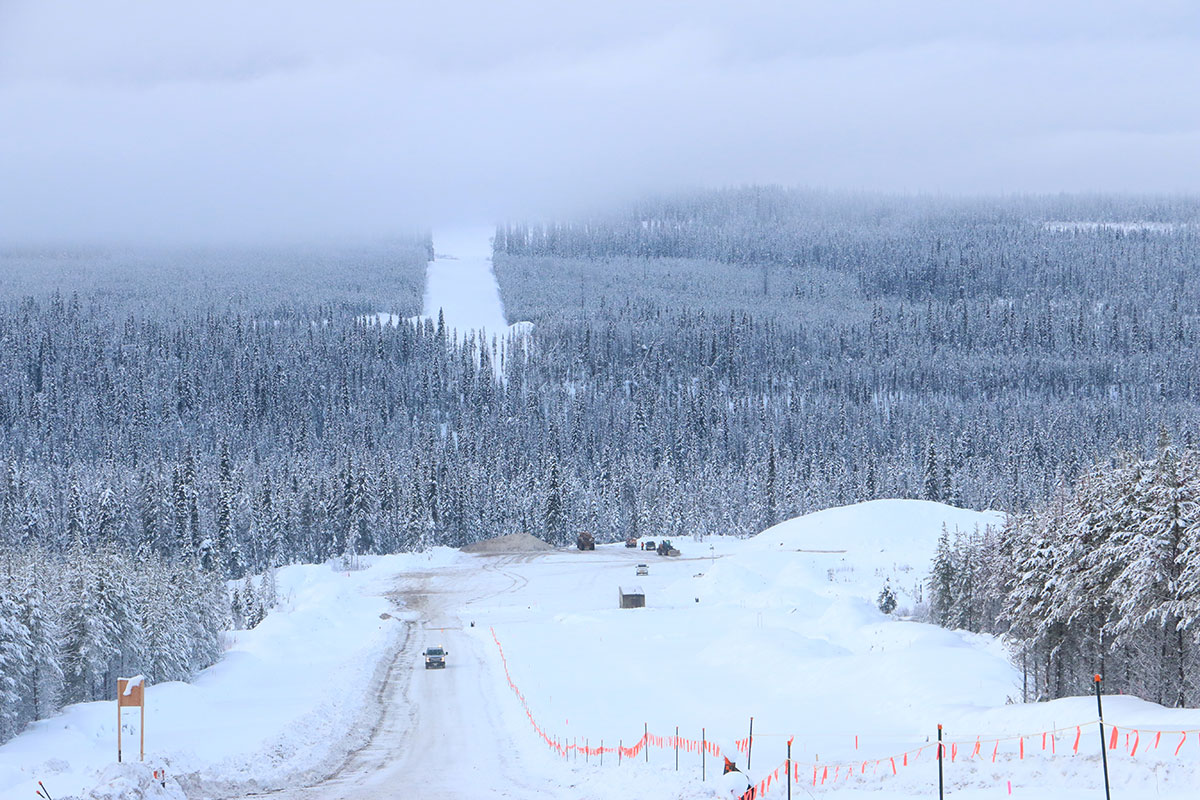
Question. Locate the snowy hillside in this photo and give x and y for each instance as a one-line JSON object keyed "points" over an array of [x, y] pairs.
{"points": [[782, 627]]}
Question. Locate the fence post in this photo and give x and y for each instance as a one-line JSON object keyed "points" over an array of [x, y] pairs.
{"points": [[941, 781], [789, 769], [620, 745], [750, 743], [1103, 744], [703, 751], [646, 740], [677, 748]]}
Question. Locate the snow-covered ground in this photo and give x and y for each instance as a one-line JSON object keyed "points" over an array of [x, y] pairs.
{"points": [[327, 698]]}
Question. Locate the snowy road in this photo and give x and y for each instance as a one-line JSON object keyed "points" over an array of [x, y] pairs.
{"points": [[440, 733]]}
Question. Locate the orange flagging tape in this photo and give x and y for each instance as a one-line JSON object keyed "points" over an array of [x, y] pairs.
{"points": [[1132, 744]]}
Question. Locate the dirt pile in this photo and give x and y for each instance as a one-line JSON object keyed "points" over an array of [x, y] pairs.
{"points": [[513, 543]]}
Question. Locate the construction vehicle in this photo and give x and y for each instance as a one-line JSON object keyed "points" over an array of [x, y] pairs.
{"points": [[665, 548], [631, 541], [585, 541], [435, 657]]}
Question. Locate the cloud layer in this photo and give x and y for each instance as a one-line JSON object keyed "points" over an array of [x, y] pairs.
{"points": [[229, 120]]}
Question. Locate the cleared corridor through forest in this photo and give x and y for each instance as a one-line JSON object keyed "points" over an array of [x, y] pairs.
{"points": [[461, 285]]}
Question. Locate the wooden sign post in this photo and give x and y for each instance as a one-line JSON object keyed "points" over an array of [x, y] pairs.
{"points": [[132, 692]]}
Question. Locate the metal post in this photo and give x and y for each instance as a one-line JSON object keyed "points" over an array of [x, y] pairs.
{"points": [[703, 751], [677, 748], [620, 744], [118, 723], [789, 769], [750, 743], [1103, 744], [941, 781], [646, 740]]}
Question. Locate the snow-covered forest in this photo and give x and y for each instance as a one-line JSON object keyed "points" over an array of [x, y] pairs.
{"points": [[705, 364], [109, 535], [968, 351], [1104, 577]]}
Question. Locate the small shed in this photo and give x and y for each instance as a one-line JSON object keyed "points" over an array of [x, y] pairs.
{"points": [[632, 597]]}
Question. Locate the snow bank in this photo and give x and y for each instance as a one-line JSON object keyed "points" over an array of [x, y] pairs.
{"points": [[134, 782]]}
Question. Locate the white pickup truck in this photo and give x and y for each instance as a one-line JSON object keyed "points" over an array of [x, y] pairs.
{"points": [[435, 658]]}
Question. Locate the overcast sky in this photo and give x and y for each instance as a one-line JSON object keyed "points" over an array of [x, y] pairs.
{"points": [[212, 121]]}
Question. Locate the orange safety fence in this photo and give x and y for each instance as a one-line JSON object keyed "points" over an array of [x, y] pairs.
{"points": [[1125, 739]]}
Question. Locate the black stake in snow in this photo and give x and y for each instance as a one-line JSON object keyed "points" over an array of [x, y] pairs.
{"points": [[750, 743], [1103, 744], [703, 750], [646, 739], [789, 769], [44, 789], [941, 782], [677, 748]]}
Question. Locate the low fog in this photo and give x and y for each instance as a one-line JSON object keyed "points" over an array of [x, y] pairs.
{"points": [[227, 121]]}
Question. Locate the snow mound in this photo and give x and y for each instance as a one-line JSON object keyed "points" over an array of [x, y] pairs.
{"points": [[523, 328], [856, 550], [513, 543], [907, 528], [134, 782]]}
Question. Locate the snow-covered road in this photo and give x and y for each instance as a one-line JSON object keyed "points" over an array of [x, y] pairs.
{"points": [[440, 733]]}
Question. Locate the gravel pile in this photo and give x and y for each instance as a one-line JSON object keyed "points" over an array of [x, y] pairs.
{"points": [[513, 543]]}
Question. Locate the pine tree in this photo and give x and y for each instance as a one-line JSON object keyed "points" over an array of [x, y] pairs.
{"points": [[15, 650], [44, 677], [941, 581], [887, 599]]}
